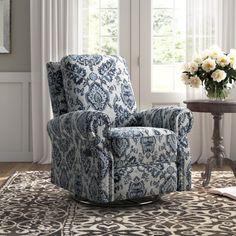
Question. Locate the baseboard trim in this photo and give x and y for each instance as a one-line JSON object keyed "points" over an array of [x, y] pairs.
{"points": [[16, 156]]}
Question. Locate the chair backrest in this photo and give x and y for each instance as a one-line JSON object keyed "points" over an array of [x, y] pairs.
{"points": [[101, 83], [56, 89]]}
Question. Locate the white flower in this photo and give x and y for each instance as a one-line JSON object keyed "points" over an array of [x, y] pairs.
{"points": [[233, 65], [232, 58], [212, 62], [223, 60], [186, 67], [195, 81], [198, 59], [215, 52], [208, 65], [193, 67], [232, 52], [206, 54], [218, 75], [185, 78], [215, 48]]}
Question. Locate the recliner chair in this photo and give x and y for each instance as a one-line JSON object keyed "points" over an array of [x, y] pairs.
{"points": [[103, 150]]}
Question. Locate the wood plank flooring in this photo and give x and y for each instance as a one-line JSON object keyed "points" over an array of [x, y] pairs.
{"points": [[8, 168]]}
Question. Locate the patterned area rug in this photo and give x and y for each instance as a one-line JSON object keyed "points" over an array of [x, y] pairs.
{"points": [[31, 205]]}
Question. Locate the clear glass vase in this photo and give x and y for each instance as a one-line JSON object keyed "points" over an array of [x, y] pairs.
{"points": [[218, 93]]}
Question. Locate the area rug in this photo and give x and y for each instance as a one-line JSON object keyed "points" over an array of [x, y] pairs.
{"points": [[30, 205]]}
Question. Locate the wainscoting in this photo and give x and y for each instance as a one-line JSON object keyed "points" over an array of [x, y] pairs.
{"points": [[15, 120]]}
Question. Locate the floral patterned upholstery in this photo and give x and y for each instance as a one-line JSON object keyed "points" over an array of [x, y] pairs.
{"points": [[142, 145], [103, 149], [57, 92], [99, 83], [82, 161], [144, 161], [180, 121]]}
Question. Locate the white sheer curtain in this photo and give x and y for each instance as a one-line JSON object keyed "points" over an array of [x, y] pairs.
{"points": [[209, 22], [54, 33]]}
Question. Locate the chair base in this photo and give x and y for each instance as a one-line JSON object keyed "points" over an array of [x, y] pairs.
{"points": [[123, 203]]}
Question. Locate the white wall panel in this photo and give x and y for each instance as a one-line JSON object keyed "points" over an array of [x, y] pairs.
{"points": [[11, 117], [15, 117]]}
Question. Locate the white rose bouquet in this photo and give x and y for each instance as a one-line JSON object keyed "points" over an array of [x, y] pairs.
{"points": [[213, 69]]}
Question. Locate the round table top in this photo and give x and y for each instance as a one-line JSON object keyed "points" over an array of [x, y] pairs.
{"points": [[210, 106]]}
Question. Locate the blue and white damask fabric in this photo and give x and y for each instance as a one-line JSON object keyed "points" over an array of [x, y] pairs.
{"points": [[85, 161], [180, 121], [56, 89], [135, 146], [101, 83], [141, 181], [82, 161], [174, 118], [144, 161], [94, 155], [88, 162]]}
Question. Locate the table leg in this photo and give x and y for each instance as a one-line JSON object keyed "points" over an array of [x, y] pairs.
{"points": [[211, 163], [218, 150]]}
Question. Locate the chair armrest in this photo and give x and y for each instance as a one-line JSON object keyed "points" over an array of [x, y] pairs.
{"points": [[177, 119], [80, 148], [85, 125]]}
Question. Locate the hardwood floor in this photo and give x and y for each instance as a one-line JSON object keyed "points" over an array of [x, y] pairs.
{"points": [[8, 168]]}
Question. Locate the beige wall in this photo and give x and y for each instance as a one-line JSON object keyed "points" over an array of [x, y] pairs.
{"points": [[19, 58]]}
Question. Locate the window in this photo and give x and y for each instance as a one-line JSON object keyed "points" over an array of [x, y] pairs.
{"points": [[168, 44], [153, 31], [100, 24]]}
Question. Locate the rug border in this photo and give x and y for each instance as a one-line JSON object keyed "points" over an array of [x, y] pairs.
{"points": [[14, 174], [8, 180]]}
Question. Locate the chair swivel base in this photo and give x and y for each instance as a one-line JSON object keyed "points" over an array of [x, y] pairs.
{"points": [[122, 203]]}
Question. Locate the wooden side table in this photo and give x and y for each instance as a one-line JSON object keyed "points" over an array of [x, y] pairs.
{"points": [[217, 109]]}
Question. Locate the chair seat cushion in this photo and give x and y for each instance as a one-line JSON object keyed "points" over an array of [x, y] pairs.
{"points": [[135, 146]]}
